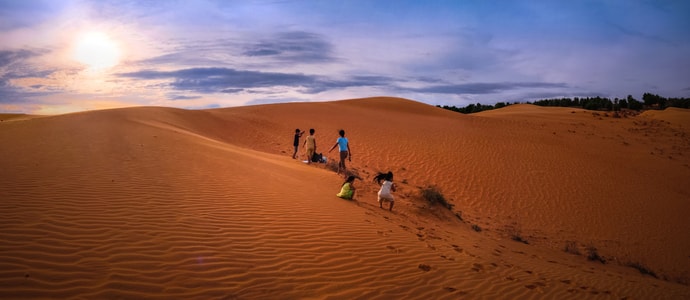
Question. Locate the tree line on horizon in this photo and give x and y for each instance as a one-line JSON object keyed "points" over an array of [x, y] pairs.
{"points": [[649, 101]]}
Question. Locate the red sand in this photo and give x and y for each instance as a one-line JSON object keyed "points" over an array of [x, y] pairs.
{"points": [[165, 203]]}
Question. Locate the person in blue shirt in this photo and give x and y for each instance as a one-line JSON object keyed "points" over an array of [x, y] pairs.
{"points": [[345, 152]]}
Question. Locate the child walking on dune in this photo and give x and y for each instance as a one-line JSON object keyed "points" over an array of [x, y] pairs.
{"points": [[310, 145], [344, 146], [298, 134], [347, 191], [386, 188]]}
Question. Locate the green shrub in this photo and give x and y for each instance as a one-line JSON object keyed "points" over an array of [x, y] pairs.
{"points": [[432, 195], [571, 247], [519, 238], [644, 270], [593, 255], [515, 234]]}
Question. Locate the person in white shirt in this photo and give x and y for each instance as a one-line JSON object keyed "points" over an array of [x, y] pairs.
{"points": [[386, 188]]}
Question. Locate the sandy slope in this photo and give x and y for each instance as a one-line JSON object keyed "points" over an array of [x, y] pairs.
{"points": [[166, 203]]}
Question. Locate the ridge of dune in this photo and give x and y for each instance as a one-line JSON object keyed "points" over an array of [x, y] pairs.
{"points": [[16, 117], [153, 202], [519, 109], [671, 115]]}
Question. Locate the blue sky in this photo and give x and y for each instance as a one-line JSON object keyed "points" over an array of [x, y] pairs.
{"points": [[69, 55]]}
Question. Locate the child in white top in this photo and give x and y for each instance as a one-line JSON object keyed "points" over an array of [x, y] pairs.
{"points": [[386, 188]]}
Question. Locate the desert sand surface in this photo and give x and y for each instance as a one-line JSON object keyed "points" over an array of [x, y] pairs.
{"points": [[163, 203]]}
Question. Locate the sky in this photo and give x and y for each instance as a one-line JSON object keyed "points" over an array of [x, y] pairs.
{"points": [[78, 55]]}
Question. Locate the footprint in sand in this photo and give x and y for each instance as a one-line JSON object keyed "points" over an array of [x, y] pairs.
{"points": [[477, 267], [393, 249], [447, 258]]}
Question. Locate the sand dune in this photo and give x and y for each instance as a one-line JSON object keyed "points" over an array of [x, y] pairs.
{"points": [[165, 203]]}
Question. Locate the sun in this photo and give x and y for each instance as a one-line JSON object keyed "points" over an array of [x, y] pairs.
{"points": [[96, 50]]}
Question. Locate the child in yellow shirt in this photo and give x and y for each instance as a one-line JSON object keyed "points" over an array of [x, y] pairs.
{"points": [[347, 191]]}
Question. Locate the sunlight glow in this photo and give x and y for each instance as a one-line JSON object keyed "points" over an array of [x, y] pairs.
{"points": [[96, 50]]}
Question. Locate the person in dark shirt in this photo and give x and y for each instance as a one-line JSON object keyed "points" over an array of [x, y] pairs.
{"points": [[298, 134]]}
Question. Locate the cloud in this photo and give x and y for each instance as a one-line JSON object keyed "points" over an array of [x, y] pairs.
{"points": [[197, 53], [287, 47], [559, 94], [182, 97], [10, 94], [9, 57], [226, 80], [293, 46], [629, 31], [355, 81], [231, 91], [483, 88], [274, 100], [214, 80], [12, 67], [18, 14], [232, 81]]}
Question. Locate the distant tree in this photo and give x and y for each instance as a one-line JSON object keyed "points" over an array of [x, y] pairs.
{"points": [[650, 99], [595, 103], [477, 108], [678, 102], [662, 102], [634, 104], [623, 103], [563, 102], [616, 106]]}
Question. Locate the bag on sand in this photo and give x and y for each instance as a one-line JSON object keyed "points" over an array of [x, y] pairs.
{"points": [[317, 157]]}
